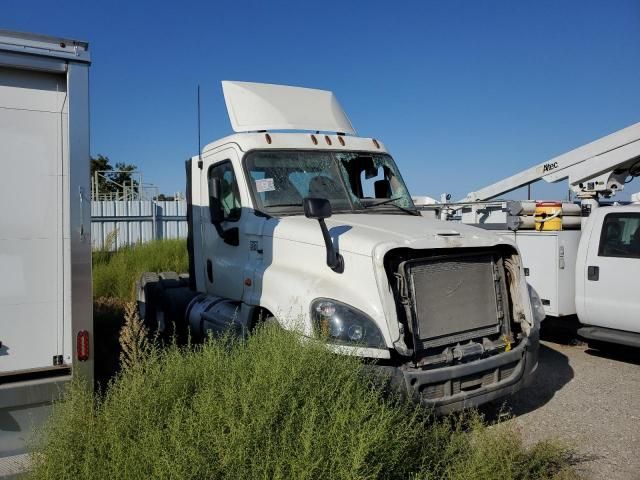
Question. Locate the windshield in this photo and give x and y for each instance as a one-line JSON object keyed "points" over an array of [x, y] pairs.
{"points": [[351, 181]]}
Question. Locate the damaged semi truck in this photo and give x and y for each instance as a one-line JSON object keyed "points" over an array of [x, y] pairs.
{"points": [[297, 220]]}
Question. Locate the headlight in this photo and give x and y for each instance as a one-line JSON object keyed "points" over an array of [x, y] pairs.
{"points": [[536, 305], [344, 325]]}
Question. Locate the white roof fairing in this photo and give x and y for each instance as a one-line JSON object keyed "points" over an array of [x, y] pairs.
{"points": [[263, 106]]}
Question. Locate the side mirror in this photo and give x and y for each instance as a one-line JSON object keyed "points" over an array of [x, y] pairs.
{"points": [[370, 172], [215, 205], [319, 209]]}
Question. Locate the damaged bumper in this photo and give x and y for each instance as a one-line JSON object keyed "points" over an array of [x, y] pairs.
{"points": [[471, 384]]}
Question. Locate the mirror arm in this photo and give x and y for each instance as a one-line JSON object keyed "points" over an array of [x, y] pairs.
{"points": [[335, 261]]}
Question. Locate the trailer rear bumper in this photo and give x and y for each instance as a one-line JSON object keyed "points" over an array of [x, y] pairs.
{"points": [[24, 406], [471, 384]]}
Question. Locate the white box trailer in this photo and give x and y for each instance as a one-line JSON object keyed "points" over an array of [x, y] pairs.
{"points": [[45, 246]]}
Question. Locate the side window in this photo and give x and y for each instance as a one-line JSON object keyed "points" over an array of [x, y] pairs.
{"points": [[620, 236], [230, 196]]}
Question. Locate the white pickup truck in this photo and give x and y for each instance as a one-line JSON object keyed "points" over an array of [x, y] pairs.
{"points": [[316, 230], [607, 273]]}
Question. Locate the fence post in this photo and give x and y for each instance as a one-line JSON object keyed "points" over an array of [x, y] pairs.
{"points": [[154, 220]]}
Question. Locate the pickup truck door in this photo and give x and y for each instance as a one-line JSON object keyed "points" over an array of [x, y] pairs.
{"points": [[223, 259], [611, 272]]}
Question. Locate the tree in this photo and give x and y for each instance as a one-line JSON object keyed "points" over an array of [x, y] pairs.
{"points": [[163, 197], [110, 179]]}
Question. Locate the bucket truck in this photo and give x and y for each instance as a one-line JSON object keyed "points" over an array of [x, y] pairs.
{"points": [[589, 262]]}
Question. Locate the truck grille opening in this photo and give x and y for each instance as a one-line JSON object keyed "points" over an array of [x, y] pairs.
{"points": [[454, 298], [468, 383]]}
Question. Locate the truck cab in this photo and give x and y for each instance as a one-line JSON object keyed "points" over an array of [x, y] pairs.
{"points": [[318, 232], [606, 276]]}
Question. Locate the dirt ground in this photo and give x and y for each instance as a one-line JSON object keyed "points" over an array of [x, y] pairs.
{"points": [[589, 399]]}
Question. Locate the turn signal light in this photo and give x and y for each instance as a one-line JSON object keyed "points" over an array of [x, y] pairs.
{"points": [[82, 345]]}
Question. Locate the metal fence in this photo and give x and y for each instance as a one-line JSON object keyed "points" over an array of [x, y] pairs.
{"points": [[116, 223]]}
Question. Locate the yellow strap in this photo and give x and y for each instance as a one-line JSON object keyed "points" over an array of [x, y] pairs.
{"points": [[507, 343]]}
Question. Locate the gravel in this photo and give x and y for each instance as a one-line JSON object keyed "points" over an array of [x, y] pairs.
{"points": [[589, 399]]}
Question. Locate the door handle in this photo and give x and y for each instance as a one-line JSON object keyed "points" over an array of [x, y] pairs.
{"points": [[593, 273]]}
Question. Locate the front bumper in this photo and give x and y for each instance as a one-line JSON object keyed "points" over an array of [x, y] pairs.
{"points": [[471, 384]]}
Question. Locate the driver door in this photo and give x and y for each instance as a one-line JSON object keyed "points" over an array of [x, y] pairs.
{"points": [[224, 260]]}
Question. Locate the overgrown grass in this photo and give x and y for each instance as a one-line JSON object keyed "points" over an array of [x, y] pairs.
{"points": [[266, 407], [114, 278], [115, 273], [271, 407]]}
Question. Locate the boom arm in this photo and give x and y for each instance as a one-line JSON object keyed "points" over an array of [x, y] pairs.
{"points": [[597, 168]]}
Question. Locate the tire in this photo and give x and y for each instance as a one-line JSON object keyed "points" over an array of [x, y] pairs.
{"points": [[146, 296], [264, 319], [604, 347], [162, 303]]}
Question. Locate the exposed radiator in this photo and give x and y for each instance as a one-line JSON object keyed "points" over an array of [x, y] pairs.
{"points": [[454, 298]]}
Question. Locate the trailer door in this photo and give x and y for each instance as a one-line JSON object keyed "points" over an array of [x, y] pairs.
{"points": [[32, 116]]}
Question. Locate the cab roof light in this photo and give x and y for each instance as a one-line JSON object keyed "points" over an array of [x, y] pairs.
{"points": [[314, 139], [327, 139], [375, 142], [268, 138]]}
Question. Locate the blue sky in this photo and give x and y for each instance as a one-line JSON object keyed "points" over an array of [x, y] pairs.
{"points": [[463, 93]]}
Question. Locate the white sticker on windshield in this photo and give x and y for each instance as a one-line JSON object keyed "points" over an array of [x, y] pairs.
{"points": [[265, 185]]}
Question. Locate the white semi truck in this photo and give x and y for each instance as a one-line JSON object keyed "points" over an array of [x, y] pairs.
{"points": [[295, 219], [45, 245], [588, 264]]}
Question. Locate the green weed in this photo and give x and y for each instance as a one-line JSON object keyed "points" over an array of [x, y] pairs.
{"points": [[270, 406], [115, 273]]}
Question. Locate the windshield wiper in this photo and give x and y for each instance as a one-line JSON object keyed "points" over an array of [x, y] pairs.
{"points": [[382, 202], [389, 201]]}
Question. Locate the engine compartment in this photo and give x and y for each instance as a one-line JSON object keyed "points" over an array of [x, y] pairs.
{"points": [[456, 305]]}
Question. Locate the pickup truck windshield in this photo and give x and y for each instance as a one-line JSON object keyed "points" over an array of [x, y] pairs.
{"points": [[351, 181]]}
